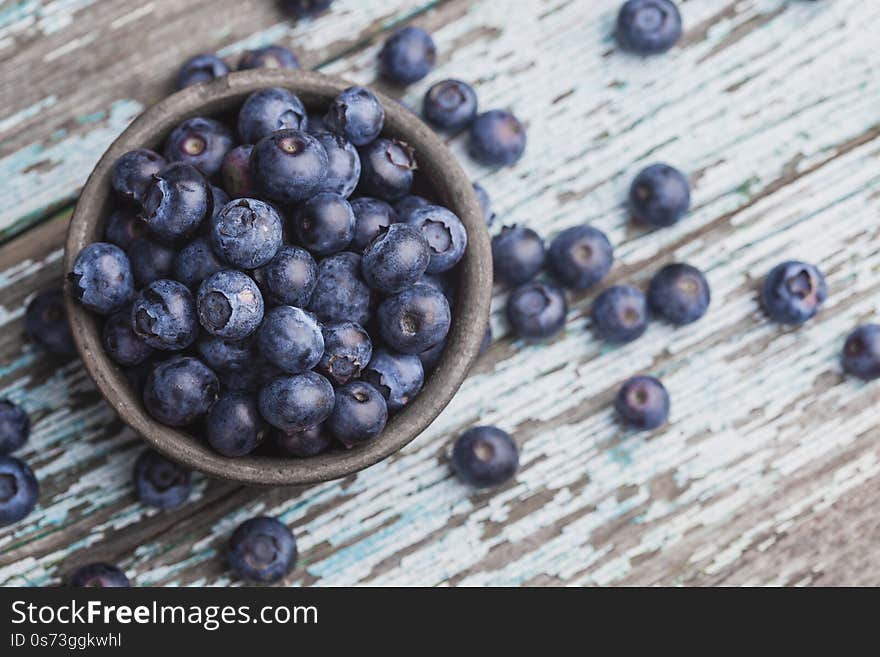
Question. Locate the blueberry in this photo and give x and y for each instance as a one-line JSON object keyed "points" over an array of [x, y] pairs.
{"points": [[388, 166], [236, 174], [347, 351], [46, 323], [497, 138], [200, 142], [679, 294], [305, 8], [399, 377], [201, 68], [371, 216], [659, 196], [343, 164], [580, 257], [414, 320], [324, 224], [262, 550], [861, 352], [229, 304], [195, 262], [249, 379], [176, 202], [446, 236], [620, 314], [290, 277], [246, 233], [268, 57], [485, 456], [123, 226], [517, 254], [341, 293], [359, 413], [288, 165], [405, 206], [407, 56], [180, 391], [450, 105], [18, 490], [159, 482], [431, 357], [219, 198], [164, 316], [15, 426], [98, 576], [642, 402], [442, 283], [793, 292], [304, 443], [485, 203], [121, 343], [132, 173], [647, 27], [268, 110], [537, 310], [224, 355], [357, 115], [395, 259], [234, 426], [290, 338], [296, 402], [150, 260], [101, 278]]}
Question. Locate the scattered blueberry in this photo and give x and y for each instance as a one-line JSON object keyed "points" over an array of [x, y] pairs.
{"points": [[324, 224], [288, 165], [159, 482], [296, 402], [446, 235], [224, 355], [268, 57], [234, 426], [291, 339], [303, 444], [347, 351], [642, 402], [268, 110], [647, 27], [359, 413], [659, 196], [356, 114], [580, 257], [150, 260], [679, 294], [485, 203], [132, 173], [262, 549], [164, 316], [236, 173], [371, 216], [395, 259], [497, 138], [517, 254], [341, 293], [176, 202], [415, 319], [861, 352], [200, 142], [229, 304], [15, 426], [407, 56], [98, 576], [450, 105], [536, 310], [18, 490], [620, 314], [398, 377], [246, 233], [387, 168], [343, 164], [290, 277], [485, 456], [201, 68], [793, 292], [124, 226], [46, 323], [180, 391], [121, 343], [195, 262], [405, 206], [101, 278], [305, 8]]}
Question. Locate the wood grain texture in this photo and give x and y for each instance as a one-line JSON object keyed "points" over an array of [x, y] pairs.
{"points": [[769, 471]]}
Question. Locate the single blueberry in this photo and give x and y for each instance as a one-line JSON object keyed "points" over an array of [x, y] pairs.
{"points": [[357, 115], [101, 278], [219, 198], [200, 142], [180, 391], [679, 294], [405, 206], [659, 196], [387, 168], [399, 377], [347, 351], [288, 165], [262, 549], [485, 456], [861, 352], [580, 257], [304, 443], [150, 260], [642, 402], [290, 338], [343, 164], [341, 293], [121, 343], [234, 426], [296, 402], [164, 316], [485, 203], [159, 482], [268, 110], [229, 304], [793, 292], [201, 68], [15, 426], [305, 8], [246, 233], [431, 357], [359, 413], [324, 224], [395, 259], [236, 173], [371, 216], [648, 27], [450, 105], [124, 226], [446, 235], [620, 314], [290, 277], [46, 323], [132, 173], [176, 202], [98, 576], [195, 262], [414, 320], [441, 282], [273, 56], [497, 138], [536, 310], [18, 490], [407, 56], [224, 355], [517, 254]]}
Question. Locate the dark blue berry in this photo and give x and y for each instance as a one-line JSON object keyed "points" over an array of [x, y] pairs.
{"points": [[98, 576], [497, 138], [236, 173], [246, 233], [315, 124], [251, 378], [18, 490], [176, 202], [431, 357], [305, 8], [219, 198], [446, 236], [387, 168], [405, 206], [161, 483], [101, 278], [296, 402], [485, 456], [396, 259], [324, 224], [288, 165], [234, 426], [536, 310], [517, 254], [359, 413], [343, 164], [642, 402], [132, 173], [450, 105], [262, 550], [399, 377], [229, 304], [200, 142], [201, 68], [303, 444], [485, 203], [15, 426], [46, 323], [407, 56], [195, 262], [347, 351], [150, 260], [268, 57], [357, 115], [291, 276], [659, 196], [414, 320], [620, 314], [341, 292], [442, 282], [291, 339], [861, 352], [121, 343], [371, 216], [679, 294], [268, 110], [793, 292], [224, 355], [180, 391], [124, 226], [580, 257], [164, 316], [647, 27]]}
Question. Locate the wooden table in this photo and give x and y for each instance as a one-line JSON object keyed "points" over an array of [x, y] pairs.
{"points": [[769, 471]]}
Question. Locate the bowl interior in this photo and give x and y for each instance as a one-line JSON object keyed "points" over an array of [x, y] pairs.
{"points": [[448, 184]]}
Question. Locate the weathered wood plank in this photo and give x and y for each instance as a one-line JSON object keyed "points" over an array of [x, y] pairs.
{"points": [[770, 462]]}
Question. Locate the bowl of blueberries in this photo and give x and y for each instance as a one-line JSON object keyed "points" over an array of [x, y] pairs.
{"points": [[278, 277]]}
